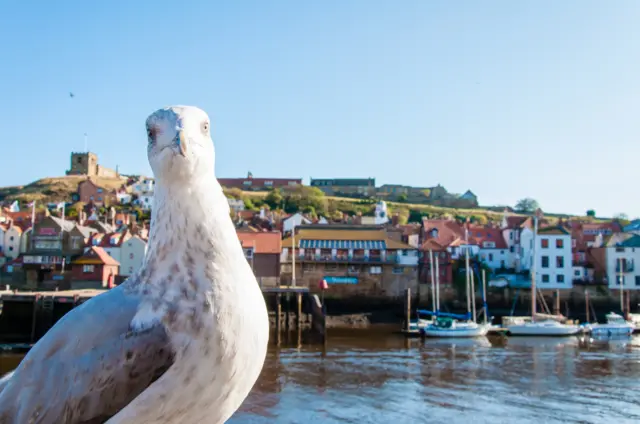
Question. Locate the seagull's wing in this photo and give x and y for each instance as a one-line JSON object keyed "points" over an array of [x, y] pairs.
{"points": [[87, 367]]}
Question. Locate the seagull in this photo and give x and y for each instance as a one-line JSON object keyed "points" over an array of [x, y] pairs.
{"points": [[183, 340]]}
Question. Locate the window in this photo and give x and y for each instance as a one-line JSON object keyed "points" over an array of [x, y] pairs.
{"points": [[489, 244], [619, 279], [130, 270], [559, 243], [619, 249], [375, 270], [544, 243], [560, 278], [130, 255], [559, 262], [545, 262], [512, 249], [573, 243], [502, 264], [79, 159], [637, 280], [87, 269], [490, 256], [99, 199], [247, 183], [268, 183], [576, 272], [11, 238], [545, 278], [10, 248], [99, 190], [398, 270]]}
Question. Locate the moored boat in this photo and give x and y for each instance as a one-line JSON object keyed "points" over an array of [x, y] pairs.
{"points": [[615, 325], [449, 327]]}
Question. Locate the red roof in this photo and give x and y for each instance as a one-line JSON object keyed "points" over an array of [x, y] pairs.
{"points": [[446, 231], [480, 235], [267, 242], [101, 254], [586, 233]]}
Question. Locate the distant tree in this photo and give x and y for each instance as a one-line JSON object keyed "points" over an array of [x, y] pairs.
{"points": [[402, 219], [591, 213], [479, 219], [622, 218], [248, 204], [274, 199], [300, 197], [234, 193], [403, 198], [527, 205], [416, 215]]}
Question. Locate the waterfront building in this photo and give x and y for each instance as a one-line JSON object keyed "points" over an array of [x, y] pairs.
{"points": [[351, 259]]}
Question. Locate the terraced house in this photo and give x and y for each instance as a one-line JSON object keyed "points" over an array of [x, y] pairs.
{"points": [[350, 259], [357, 187]]}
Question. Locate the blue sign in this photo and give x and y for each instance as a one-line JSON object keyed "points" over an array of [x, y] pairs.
{"points": [[341, 280]]}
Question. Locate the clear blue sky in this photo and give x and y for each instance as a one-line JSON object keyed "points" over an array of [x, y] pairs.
{"points": [[509, 99]]}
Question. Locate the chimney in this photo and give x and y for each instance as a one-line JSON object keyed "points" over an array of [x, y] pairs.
{"points": [[395, 220]]}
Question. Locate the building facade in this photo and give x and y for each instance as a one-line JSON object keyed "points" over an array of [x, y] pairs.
{"points": [[86, 163], [259, 184], [132, 253], [352, 260], [358, 187], [554, 269], [262, 250]]}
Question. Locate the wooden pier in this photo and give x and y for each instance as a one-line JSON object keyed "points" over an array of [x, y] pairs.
{"points": [[27, 316]]}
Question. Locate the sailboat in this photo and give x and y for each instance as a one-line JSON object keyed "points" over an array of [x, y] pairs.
{"points": [[616, 324], [540, 325], [454, 325]]}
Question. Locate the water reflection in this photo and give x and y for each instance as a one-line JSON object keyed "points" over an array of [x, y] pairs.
{"points": [[377, 377]]}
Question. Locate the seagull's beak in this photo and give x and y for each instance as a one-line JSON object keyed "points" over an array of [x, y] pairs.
{"points": [[182, 143]]}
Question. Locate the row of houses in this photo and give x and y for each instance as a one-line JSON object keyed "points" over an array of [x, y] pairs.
{"points": [[359, 187], [368, 258]]}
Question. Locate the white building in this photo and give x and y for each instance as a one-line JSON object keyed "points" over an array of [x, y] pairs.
{"points": [[12, 241], [625, 248], [554, 269], [144, 186], [144, 201], [132, 255], [381, 216], [236, 205], [292, 221]]}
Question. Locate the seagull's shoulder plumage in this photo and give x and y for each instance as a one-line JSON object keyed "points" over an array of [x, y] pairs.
{"points": [[185, 340]]}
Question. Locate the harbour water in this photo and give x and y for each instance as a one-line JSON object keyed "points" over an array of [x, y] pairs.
{"points": [[372, 376]]}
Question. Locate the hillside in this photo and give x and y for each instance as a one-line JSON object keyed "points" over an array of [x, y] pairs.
{"points": [[306, 199], [55, 189]]}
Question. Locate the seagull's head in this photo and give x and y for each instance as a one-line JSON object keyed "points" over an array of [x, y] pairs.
{"points": [[179, 143]]}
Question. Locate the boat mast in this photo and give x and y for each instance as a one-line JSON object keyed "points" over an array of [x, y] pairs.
{"points": [[484, 297], [433, 283], [437, 287], [473, 296], [533, 265], [621, 280], [466, 260]]}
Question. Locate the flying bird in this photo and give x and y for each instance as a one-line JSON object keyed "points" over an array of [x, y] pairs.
{"points": [[181, 341], [71, 95]]}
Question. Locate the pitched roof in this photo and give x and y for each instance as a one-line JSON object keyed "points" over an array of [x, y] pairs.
{"points": [[96, 256], [66, 225], [262, 242], [554, 230], [622, 240], [479, 235], [447, 231], [346, 233]]}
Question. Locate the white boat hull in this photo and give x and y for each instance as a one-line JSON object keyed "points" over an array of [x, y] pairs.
{"points": [[460, 331], [549, 328], [602, 330]]}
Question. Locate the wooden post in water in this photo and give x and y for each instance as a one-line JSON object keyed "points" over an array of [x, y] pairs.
{"points": [[556, 309], [586, 303], [628, 311], [298, 310], [278, 312], [407, 296], [34, 317]]}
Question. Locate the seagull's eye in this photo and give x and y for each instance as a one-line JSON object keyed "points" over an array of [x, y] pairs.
{"points": [[205, 127], [151, 133]]}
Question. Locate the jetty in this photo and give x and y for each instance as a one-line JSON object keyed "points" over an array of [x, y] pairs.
{"points": [[27, 315]]}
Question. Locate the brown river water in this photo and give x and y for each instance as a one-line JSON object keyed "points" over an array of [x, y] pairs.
{"points": [[373, 376]]}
